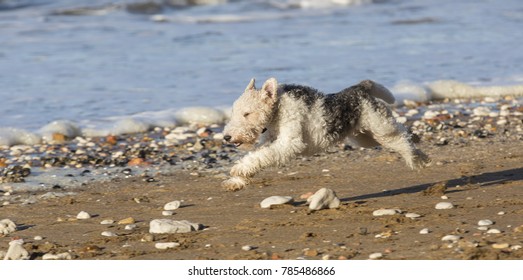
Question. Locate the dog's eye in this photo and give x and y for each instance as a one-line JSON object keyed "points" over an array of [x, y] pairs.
{"points": [[246, 115]]}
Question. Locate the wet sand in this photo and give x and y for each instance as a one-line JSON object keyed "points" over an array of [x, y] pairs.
{"points": [[480, 174]]}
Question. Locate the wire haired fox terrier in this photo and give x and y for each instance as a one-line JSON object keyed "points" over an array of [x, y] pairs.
{"points": [[293, 120]]}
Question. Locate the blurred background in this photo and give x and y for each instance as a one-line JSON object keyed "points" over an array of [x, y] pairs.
{"points": [[89, 60]]}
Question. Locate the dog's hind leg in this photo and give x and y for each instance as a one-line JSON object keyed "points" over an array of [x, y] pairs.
{"points": [[377, 119]]}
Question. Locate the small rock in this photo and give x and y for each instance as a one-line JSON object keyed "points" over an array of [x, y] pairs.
{"points": [[172, 226], [412, 215], [450, 237], [173, 205], [385, 212], [501, 213], [107, 222], [323, 198], [147, 238], [485, 223], [167, 213], [444, 197], [444, 205], [515, 247], [7, 226], [127, 221], [83, 215], [483, 228], [494, 231], [247, 247], [306, 195], [375, 256], [16, 251], [166, 245], [130, 227], [424, 231], [311, 253], [38, 238], [61, 256], [275, 200], [500, 245], [109, 234]]}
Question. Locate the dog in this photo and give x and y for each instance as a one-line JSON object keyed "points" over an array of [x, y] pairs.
{"points": [[291, 120]]}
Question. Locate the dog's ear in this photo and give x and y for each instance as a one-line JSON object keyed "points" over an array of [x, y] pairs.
{"points": [[251, 85], [270, 89]]}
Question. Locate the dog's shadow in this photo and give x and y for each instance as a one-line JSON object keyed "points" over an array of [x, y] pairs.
{"points": [[484, 180]]}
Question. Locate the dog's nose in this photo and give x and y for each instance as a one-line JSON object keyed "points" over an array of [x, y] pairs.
{"points": [[227, 138]]}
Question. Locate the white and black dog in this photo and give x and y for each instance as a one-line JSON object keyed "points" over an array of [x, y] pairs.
{"points": [[293, 120]]}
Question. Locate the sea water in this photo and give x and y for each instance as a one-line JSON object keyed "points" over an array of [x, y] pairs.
{"points": [[98, 67]]}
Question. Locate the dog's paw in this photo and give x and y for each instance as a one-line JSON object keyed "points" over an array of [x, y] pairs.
{"points": [[235, 183], [420, 160]]}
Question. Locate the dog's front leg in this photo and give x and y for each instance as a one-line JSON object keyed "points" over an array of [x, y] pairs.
{"points": [[277, 153]]}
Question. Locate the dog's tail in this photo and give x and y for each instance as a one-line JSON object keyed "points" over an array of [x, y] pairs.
{"points": [[376, 90]]}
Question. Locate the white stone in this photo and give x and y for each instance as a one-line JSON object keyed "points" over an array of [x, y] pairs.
{"points": [[412, 215], [109, 234], [61, 256], [450, 237], [375, 256], [444, 197], [323, 198], [424, 231], [444, 205], [38, 238], [247, 247], [130, 227], [172, 226], [173, 205], [107, 222], [485, 223], [483, 228], [167, 213], [385, 212], [501, 213], [275, 200], [481, 111], [83, 215], [494, 231], [515, 247], [7, 226], [166, 245], [16, 251]]}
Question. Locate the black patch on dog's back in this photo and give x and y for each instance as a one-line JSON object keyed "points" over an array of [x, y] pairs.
{"points": [[307, 94]]}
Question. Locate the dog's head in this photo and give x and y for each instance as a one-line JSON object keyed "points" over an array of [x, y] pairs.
{"points": [[251, 113]]}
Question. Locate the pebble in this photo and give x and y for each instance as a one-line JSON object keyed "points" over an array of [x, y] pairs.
{"points": [[483, 228], [83, 215], [501, 213], [166, 245], [7, 226], [375, 256], [61, 256], [494, 231], [173, 205], [385, 212], [247, 247], [444, 197], [444, 205], [127, 221], [412, 215], [485, 223], [130, 227], [109, 234], [323, 198], [172, 226], [275, 200], [107, 222], [450, 237], [500, 245], [515, 247], [306, 195], [167, 213], [424, 231], [16, 251], [38, 238]]}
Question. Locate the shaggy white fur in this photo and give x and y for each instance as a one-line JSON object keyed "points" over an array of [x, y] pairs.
{"points": [[291, 120]]}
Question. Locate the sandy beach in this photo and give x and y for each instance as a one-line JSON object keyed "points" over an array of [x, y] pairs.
{"points": [[477, 166]]}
